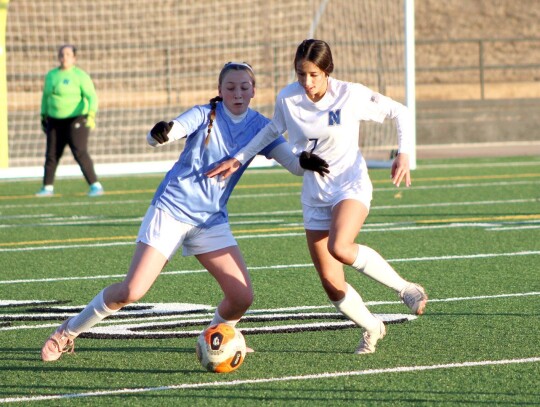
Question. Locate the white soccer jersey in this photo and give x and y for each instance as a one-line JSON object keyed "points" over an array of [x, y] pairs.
{"points": [[330, 129]]}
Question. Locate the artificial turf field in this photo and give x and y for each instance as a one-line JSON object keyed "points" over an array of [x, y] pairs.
{"points": [[468, 230]]}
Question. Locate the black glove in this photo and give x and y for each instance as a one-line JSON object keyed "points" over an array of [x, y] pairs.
{"points": [[313, 162], [160, 130], [44, 123]]}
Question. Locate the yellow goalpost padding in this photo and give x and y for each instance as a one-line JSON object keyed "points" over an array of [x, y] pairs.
{"points": [[3, 86]]}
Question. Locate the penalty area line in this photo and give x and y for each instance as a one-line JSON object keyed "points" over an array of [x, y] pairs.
{"points": [[318, 376]]}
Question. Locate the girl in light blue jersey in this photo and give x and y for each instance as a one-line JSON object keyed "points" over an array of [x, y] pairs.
{"points": [[189, 209]]}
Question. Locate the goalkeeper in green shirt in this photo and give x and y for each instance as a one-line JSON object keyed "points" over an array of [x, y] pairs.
{"points": [[68, 110]]}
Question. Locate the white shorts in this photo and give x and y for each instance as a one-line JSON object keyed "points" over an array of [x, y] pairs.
{"points": [[320, 217], [166, 234]]}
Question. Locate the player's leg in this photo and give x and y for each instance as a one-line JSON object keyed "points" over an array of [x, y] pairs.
{"points": [[342, 295], [217, 250], [146, 265], [348, 217], [56, 142], [78, 143], [228, 268], [158, 239]]}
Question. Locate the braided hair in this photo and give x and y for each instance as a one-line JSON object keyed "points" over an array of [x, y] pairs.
{"points": [[212, 117], [236, 66]]}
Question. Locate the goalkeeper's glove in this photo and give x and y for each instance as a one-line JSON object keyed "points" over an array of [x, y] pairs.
{"points": [[91, 120], [160, 130], [313, 162], [44, 123]]}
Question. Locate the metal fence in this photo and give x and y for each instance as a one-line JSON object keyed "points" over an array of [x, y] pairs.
{"points": [[492, 60]]}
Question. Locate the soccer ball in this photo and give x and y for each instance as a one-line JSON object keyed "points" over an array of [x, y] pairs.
{"points": [[221, 348]]}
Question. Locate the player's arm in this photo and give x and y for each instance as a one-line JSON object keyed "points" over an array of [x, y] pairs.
{"points": [[88, 91], [165, 133], [262, 139], [404, 124]]}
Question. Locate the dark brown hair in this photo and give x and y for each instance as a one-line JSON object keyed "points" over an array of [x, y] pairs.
{"points": [[73, 48], [316, 51]]}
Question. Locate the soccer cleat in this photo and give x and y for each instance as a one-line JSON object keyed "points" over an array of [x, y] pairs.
{"points": [[370, 339], [96, 190], [45, 192], [57, 344], [414, 297]]}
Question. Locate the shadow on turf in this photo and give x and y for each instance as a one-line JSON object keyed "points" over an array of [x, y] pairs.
{"points": [[224, 396]]}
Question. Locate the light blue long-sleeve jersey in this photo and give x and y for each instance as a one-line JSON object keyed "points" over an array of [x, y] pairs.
{"points": [[186, 193]]}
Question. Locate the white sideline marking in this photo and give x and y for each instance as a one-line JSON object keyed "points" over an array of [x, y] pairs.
{"points": [[242, 196], [278, 266], [318, 376]]}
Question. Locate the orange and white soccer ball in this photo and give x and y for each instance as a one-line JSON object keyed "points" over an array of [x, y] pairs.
{"points": [[221, 348]]}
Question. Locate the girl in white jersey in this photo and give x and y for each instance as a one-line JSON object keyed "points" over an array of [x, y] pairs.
{"points": [[189, 209], [322, 115]]}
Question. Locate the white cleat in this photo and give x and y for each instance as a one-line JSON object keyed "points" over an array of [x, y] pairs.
{"points": [[370, 339], [414, 297]]}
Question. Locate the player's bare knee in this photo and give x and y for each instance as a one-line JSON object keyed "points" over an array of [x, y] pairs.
{"points": [[242, 302], [340, 252], [128, 295]]}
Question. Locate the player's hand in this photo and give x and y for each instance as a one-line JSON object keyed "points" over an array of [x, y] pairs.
{"points": [[44, 123], [312, 162], [91, 120], [401, 170], [225, 169], [160, 130]]}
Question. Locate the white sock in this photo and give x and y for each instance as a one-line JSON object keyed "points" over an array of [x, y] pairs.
{"points": [[93, 313], [218, 319], [353, 307], [49, 188], [97, 184], [371, 263]]}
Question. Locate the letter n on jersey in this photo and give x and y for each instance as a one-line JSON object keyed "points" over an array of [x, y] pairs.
{"points": [[334, 117]]}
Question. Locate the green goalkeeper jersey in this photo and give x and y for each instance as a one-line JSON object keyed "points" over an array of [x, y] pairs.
{"points": [[68, 93]]}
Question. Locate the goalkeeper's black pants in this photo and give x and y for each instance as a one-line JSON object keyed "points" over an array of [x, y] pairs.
{"points": [[72, 132]]}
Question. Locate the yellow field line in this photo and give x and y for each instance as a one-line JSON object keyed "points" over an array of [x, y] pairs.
{"points": [[299, 184], [282, 229], [480, 219], [78, 240], [288, 184], [472, 177]]}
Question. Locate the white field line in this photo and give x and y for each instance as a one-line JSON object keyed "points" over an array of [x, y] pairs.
{"points": [[262, 236], [272, 194], [83, 220], [316, 376], [278, 170], [481, 165], [281, 266]]}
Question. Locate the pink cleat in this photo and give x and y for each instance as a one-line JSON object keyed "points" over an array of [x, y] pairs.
{"points": [[57, 344]]}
